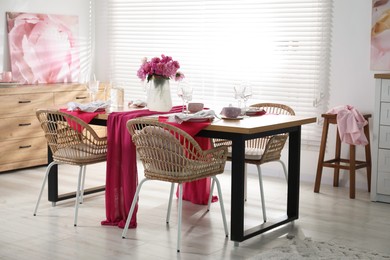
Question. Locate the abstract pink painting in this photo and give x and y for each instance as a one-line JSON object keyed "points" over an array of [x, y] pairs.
{"points": [[43, 47], [380, 35]]}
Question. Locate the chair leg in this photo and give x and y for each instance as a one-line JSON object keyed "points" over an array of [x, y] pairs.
{"points": [[43, 185], [179, 217], [131, 211], [284, 169], [78, 191], [82, 185], [215, 179], [211, 195], [170, 202], [262, 193], [245, 183], [321, 156]]}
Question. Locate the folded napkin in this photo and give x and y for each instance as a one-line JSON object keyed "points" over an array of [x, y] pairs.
{"points": [[255, 112], [89, 107], [137, 103], [180, 118]]}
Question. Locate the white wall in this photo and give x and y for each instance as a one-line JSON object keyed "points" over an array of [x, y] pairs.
{"points": [[63, 7]]}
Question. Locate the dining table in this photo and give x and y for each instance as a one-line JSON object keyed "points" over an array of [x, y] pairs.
{"points": [[238, 131]]}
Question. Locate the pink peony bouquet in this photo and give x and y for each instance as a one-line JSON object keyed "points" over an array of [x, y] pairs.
{"points": [[164, 67]]}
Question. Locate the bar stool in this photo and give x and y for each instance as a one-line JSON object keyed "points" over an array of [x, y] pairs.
{"points": [[338, 163]]}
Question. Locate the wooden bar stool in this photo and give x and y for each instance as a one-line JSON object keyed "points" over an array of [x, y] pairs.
{"points": [[338, 163]]}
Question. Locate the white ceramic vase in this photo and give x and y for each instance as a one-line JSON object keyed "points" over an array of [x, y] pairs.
{"points": [[159, 94]]}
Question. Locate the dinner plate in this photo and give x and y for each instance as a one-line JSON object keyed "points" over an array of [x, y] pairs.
{"points": [[201, 119], [232, 118]]}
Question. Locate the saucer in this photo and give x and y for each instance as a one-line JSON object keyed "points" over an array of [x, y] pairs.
{"points": [[232, 118]]}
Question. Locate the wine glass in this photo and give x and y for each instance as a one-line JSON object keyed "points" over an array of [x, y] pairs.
{"points": [[238, 92], [93, 87], [184, 91], [246, 93]]}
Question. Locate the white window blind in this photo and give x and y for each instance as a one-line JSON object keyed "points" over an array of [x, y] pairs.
{"points": [[281, 46]]}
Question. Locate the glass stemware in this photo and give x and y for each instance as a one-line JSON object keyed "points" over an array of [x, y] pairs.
{"points": [[93, 87], [246, 94], [184, 91]]}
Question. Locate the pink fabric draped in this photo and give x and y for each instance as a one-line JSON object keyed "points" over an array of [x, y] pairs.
{"points": [[350, 123], [196, 191]]}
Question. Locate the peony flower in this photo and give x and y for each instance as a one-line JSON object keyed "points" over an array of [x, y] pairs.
{"points": [[165, 67], [43, 48]]}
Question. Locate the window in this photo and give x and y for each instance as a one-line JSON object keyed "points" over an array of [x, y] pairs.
{"points": [[281, 46]]}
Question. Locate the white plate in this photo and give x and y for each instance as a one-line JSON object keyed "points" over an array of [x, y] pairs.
{"points": [[232, 118], [203, 119]]}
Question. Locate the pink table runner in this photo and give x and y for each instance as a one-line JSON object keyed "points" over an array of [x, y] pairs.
{"points": [[122, 175]]}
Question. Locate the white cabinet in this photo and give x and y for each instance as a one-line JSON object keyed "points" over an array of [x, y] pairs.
{"points": [[380, 185]]}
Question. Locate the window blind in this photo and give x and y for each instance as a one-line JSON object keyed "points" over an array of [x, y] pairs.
{"points": [[282, 47]]}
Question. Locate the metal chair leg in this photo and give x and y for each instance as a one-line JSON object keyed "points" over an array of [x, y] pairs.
{"points": [[43, 185], [124, 232], [262, 193], [215, 179], [170, 202]]}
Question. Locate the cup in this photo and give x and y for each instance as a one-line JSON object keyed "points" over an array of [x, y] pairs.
{"points": [[195, 107], [6, 76], [231, 112]]}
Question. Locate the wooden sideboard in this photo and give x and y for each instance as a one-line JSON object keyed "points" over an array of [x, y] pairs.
{"points": [[22, 143]]}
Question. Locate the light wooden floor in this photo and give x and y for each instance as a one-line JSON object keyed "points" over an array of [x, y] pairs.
{"points": [[328, 216]]}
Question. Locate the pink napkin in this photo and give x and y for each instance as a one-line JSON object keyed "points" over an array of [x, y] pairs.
{"points": [[85, 116]]}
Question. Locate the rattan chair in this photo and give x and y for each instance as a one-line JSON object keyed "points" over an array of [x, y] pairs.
{"points": [[262, 150], [169, 154], [71, 141]]}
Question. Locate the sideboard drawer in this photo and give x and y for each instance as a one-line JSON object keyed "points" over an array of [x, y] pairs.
{"points": [[383, 177], [384, 137], [383, 183], [20, 127], [385, 113], [384, 160], [22, 105], [80, 96], [385, 90], [20, 150]]}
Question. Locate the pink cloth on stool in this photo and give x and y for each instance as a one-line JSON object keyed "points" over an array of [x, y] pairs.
{"points": [[350, 123]]}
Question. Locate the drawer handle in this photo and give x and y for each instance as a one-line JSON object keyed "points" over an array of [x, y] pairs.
{"points": [[24, 101], [24, 146], [25, 124], [81, 97]]}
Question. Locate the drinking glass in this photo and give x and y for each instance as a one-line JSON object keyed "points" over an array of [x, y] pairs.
{"points": [[184, 91]]}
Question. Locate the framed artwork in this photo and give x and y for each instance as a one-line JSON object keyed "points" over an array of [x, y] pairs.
{"points": [[43, 47], [380, 35]]}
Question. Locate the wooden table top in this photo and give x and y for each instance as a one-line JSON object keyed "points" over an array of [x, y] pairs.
{"points": [[248, 125]]}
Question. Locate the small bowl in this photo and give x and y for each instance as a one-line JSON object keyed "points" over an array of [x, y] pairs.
{"points": [[195, 107], [231, 112]]}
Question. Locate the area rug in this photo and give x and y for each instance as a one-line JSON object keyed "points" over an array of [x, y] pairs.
{"points": [[309, 249]]}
